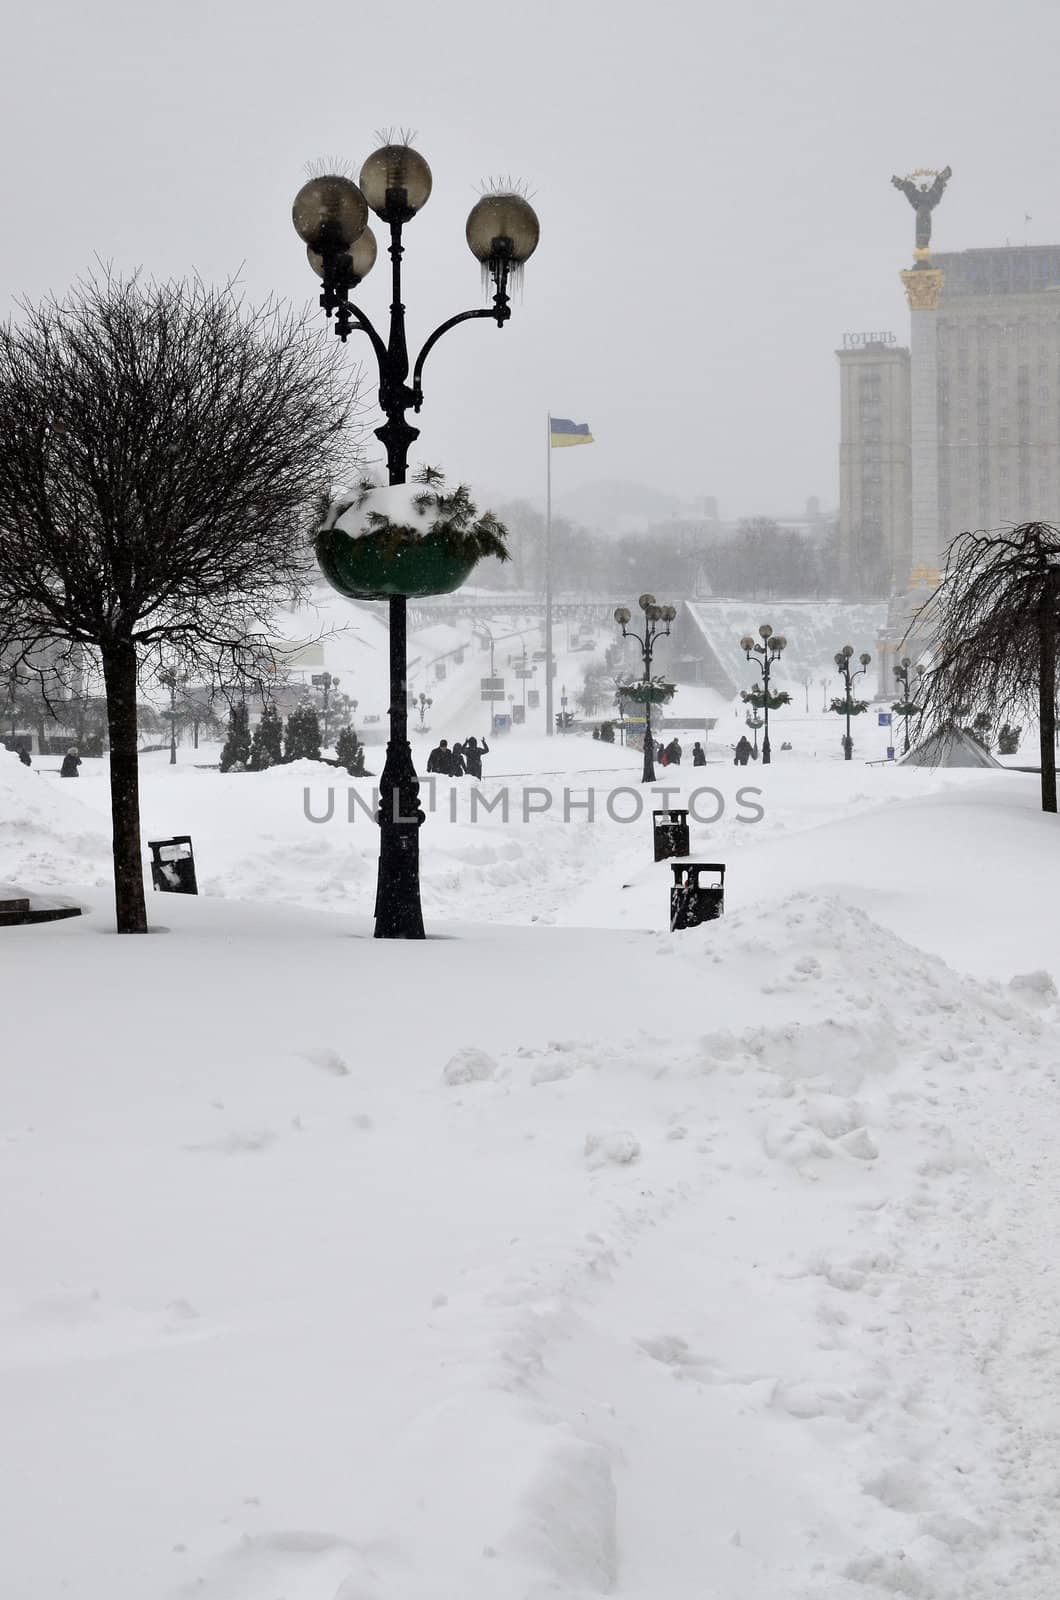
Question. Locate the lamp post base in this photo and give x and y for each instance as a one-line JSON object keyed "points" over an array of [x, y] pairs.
{"points": [[398, 914]]}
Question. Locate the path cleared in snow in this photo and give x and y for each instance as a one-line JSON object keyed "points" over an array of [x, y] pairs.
{"points": [[546, 1260]]}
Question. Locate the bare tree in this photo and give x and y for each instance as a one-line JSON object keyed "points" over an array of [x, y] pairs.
{"points": [[993, 622], [162, 447]]}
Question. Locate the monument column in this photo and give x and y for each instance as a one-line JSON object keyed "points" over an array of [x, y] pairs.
{"points": [[923, 286]]}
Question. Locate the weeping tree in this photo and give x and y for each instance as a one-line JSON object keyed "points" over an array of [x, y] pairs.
{"points": [[993, 623], [161, 450]]}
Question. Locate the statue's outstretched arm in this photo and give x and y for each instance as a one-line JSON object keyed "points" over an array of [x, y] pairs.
{"points": [[908, 188]]}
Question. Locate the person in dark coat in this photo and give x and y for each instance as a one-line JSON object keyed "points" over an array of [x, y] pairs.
{"points": [[674, 753], [23, 756], [457, 769], [473, 753], [439, 758], [71, 762], [699, 755], [743, 751]]}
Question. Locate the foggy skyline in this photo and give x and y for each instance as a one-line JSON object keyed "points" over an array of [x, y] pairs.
{"points": [[713, 187]]}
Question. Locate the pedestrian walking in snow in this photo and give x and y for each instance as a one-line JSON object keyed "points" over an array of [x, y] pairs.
{"points": [[473, 753], [674, 753], [699, 755], [457, 769], [742, 751], [439, 758], [71, 762]]}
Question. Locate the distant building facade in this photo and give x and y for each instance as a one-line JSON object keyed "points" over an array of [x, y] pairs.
{"points": [[998, 330], [981, 413], [874, 464]]}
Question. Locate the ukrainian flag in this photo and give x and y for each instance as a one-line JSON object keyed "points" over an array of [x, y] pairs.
{"points": [[564, 432]]}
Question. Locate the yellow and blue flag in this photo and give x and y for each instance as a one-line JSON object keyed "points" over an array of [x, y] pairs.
{"points": [[564, 432]]}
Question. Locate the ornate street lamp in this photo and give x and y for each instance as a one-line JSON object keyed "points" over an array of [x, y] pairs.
{"points": [[173, 680], [765, 657], [907, 707], [330, 215], [657, 620], [848, 706], [424, 702], [327, 683]]}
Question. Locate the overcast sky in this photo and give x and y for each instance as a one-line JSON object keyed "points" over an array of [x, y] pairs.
{"points": [[712, 179]]}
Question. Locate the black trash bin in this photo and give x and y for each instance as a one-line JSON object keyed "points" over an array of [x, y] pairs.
{"points": [[671, 833], [692, 902], [173, 865]]}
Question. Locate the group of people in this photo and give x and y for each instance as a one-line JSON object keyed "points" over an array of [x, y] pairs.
{"points": [[71, 760], [669, 755], [458, 760]]}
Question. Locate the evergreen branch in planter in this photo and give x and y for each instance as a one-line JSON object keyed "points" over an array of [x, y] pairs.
{"points": [[657, 690], [422, 513], [759, 699]]}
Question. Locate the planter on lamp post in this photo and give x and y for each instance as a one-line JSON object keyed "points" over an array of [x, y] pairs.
{"points": [[649, 691], [847, 706], [394, 557], [764, 656], [907, 706]]}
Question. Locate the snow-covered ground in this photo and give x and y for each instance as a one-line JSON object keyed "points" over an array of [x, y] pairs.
{"points": [[558, 1255]]}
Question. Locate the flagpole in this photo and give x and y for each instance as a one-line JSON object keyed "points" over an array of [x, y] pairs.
{"points": [[549, 729]]}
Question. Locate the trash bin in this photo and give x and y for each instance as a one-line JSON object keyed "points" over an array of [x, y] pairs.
{"points": [[692, 902], [173, 865], [671, 833]]}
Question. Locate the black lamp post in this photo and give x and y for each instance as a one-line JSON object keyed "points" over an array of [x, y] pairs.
{"points": [[657, 620], [765, 657], [842, 661], [327, 683], [172, 680], [330, 215], [907, 706]]}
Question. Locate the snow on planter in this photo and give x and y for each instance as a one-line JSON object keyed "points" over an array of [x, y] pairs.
{"points": [[415, 538]]}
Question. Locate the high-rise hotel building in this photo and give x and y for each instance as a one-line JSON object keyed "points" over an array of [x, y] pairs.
{"points": [[961, 432]]}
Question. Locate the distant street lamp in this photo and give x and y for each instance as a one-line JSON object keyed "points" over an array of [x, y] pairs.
{"points": [[330, 215], [173, 680], [848, 706], [424, 702], [907, 707], [657, 620], [765, 657], [327, 683]]}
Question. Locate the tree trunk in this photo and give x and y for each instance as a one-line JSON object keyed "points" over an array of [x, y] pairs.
{"points": [[119, 677], [1047, 700]]}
